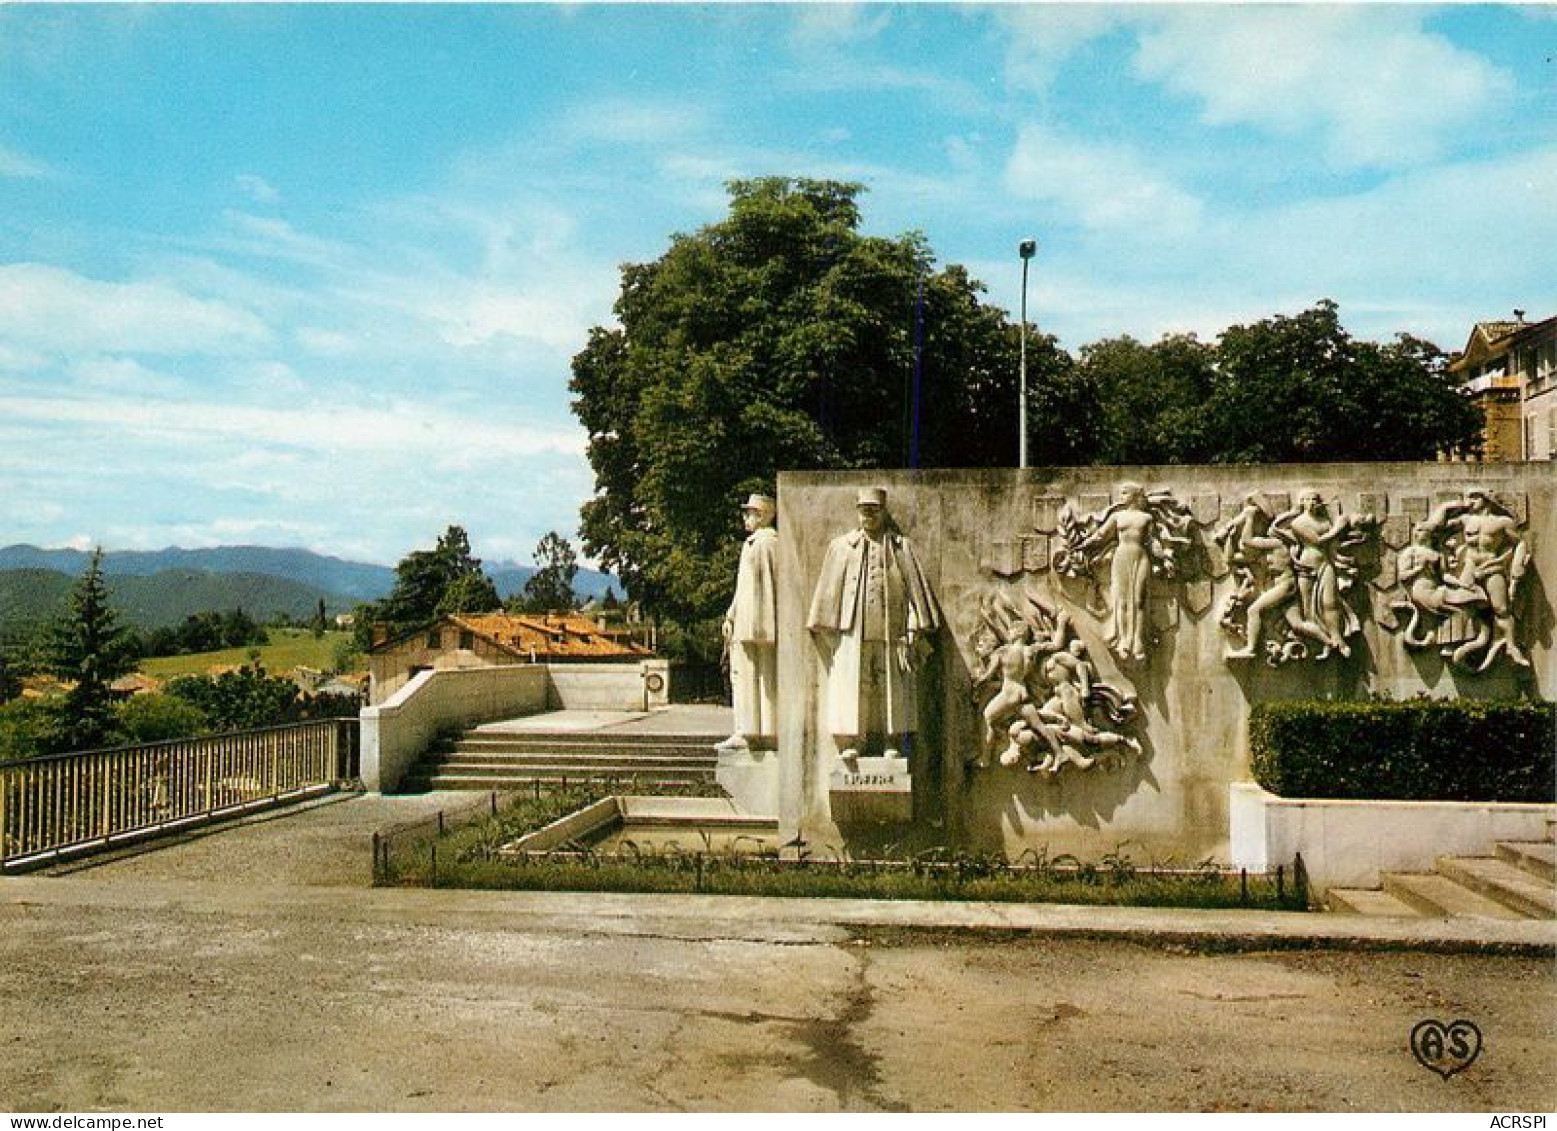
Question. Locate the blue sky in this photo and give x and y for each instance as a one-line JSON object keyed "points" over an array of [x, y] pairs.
{"points": [[312, 276]]}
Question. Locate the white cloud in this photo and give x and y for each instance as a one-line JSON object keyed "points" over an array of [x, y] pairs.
{"points": [[1367, 79], [325, 343], [1420, 253], [23, 167], [49, 308], [273, 238], [15, 360], [123, 375], [1044, 36], [260, 190], [624, 121], [410, 431], [1099, 185], [837, 24]]}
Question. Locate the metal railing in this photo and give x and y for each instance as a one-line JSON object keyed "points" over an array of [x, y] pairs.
{"points": [[66, 803]]}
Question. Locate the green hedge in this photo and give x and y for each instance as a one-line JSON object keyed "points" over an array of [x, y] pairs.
{"points": [[1417, 750]]}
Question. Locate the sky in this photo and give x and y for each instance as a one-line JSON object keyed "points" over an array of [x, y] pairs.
{"points": [[313, 275]]}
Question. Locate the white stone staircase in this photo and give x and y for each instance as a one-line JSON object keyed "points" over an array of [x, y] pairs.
{"points": [[1518, 881], [486, 760]]}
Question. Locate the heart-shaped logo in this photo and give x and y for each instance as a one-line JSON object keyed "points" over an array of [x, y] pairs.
{"points": [[1446, 1049]]}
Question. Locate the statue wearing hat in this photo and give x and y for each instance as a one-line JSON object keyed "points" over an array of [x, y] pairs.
{"points": [[751, 632], [873, 613]]}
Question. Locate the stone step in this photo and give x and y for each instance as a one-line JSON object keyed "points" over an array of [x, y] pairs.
{"points": [[554, 758], [585, 740], [1504, 883], [418, 782], [1367, 901], [1538, 857], [1440, 897], [539, 764], [497, 749]]}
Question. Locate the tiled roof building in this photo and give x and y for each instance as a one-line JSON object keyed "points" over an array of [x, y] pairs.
{"points": [[489, 639]]}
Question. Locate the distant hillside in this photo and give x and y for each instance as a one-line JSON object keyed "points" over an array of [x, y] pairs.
{"points": [[356, 580], [31, 596], [261, 580]]}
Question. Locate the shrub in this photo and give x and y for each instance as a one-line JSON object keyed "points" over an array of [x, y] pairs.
{"points": [[239, 699], [28, 728], [159, 718], [1417, 750]]}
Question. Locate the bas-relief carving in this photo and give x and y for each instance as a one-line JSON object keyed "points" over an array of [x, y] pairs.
{"points": [[874, 618], [1141, 536], [1043, 706], [1463, 575], [1292, 567], [751, 632]]}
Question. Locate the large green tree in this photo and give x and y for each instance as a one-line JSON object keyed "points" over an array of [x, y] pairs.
{"points": [[89, 649], [783, 338], [550, 588], [429, 584], [1285, 389], [1301, 389], [1152, 398]]}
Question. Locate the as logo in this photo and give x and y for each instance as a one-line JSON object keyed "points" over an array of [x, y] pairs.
{"points": [[1446, 1049]]}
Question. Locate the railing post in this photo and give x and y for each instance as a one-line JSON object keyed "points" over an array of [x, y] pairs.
{"points": [[5, 805]]}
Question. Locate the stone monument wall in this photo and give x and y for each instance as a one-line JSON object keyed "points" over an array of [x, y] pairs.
{"points": [[1130, 612]]}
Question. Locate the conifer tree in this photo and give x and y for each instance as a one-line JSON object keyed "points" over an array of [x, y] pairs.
{"points": [[89, 648]]}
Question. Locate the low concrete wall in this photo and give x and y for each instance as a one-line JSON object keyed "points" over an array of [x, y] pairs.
{"points": [[609, 687], [1348, 843], [396, 733]]}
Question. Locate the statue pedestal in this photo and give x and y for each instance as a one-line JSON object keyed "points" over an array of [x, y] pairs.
{"points": [[751, 777], [871, 791]]}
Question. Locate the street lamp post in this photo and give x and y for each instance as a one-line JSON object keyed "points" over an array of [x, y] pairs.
{"points": [[1026, 249]]}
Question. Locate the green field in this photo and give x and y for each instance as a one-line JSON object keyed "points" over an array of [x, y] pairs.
{"points": [[288, 648]]}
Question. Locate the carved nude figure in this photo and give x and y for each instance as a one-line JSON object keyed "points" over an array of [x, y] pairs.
{"points": [[1061, 723], [1014, 661], [1432, 592], [1303, 572], [1327, 617], [1495, 558]]}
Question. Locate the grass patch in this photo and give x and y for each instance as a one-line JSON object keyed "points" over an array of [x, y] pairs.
{"points": [[467, 857], [288, 648]]}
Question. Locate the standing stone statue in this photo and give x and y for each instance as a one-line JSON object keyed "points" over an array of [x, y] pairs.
{"points": [[751, 632], [873, 614]]}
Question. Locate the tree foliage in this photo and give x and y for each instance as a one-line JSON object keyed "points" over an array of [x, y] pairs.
{"points": [[1286, 389], [239, 700], [89, 649], [431, 584], [550, 588], [205, 632], [783, 338], [159, 718]]}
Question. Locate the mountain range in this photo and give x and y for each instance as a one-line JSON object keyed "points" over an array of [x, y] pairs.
{"points": [[157, 587]]}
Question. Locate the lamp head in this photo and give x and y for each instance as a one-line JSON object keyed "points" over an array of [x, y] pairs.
{"points": [[1027, 248]]}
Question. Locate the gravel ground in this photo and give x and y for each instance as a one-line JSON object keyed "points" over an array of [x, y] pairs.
{"points": [[223, 973]]}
